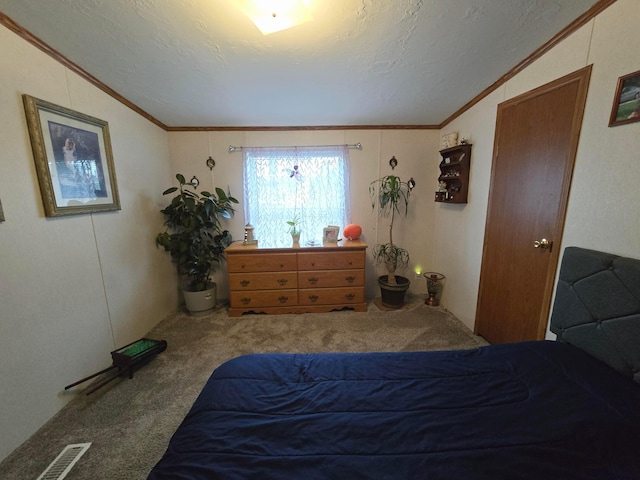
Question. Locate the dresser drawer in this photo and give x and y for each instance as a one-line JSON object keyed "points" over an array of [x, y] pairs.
{"points": [[264, 298], [331, 261], [331, 278], [330, 296], [263, 281], [278, 262]]}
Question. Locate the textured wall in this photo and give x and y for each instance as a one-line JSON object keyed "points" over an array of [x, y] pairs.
{"points": [[604, 206], [72, 288], [416, 151]]}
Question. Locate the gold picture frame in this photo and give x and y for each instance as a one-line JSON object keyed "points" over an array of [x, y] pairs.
{"points": [[73, 157], [626, 102]]}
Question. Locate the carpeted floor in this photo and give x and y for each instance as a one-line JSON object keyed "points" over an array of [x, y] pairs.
{"points": [[129, 422]]}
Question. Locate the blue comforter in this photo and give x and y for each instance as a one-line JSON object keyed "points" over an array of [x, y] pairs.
{"points": [[534, 410]]}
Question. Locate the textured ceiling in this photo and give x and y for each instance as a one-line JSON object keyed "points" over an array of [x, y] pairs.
{"points": [[359, 62]]}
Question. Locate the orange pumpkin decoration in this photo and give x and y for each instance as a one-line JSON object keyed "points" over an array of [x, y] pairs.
{"points": [[352, 232]]}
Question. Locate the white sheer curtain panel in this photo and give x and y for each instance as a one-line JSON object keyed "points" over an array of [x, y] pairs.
{"points": [[307, 183]]}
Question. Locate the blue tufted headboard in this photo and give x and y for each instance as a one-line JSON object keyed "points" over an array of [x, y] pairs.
{"points": [[597, 307]]}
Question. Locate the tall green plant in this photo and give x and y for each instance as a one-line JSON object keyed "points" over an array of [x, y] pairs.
{"points": [[194, 235], [391, 195]]}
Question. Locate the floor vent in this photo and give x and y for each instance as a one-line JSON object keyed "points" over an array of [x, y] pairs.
{"points": [[64, 462]]}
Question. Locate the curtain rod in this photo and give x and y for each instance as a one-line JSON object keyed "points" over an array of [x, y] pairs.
{"points": [[357, 146]]}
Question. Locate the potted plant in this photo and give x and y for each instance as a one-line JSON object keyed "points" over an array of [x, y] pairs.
{"points": [[294, 229], [391, 195], [196, 241]]}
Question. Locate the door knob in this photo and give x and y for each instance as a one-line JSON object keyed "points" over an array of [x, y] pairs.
{"points": [[543, 244]]}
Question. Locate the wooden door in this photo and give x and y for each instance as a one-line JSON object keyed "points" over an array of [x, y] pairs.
{"points": [[534, 151]]}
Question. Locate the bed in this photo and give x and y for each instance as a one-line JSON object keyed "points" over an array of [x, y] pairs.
{"points": [[564, 409]]}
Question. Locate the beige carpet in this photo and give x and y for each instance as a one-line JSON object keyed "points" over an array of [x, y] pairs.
{"points": [[130, 422]]}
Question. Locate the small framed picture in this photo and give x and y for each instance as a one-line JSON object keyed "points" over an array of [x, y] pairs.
{"points": [[626, 102], [73, 157], [330, 234]]}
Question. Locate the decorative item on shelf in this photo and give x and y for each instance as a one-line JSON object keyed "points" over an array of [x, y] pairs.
{"points": [[352, 231], [393, 162], [449, 140], [211, 163], [464, 141], [248, 235], [330, 234], [435, 284]]}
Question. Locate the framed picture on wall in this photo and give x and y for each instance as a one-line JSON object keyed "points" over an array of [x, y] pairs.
{"points": [[626, 102], [73, 157]]}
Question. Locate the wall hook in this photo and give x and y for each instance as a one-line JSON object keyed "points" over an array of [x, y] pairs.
{"points": [[393, 162], [194, 182], [211, 163]]}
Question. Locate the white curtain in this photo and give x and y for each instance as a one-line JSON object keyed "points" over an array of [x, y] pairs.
{"points": [[310, 183]]}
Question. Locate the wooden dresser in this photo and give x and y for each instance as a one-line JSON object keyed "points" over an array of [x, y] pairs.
{"points": [[296, 280]]}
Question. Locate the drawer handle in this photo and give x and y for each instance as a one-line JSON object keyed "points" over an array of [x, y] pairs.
{"points": [[282, 265], [283, 299], [283, 282], [245, 300], [313, 280], [242, 266], [350, 262], [350, 296], [244, 283], [350, 279], [313, 298], [313, 264]]}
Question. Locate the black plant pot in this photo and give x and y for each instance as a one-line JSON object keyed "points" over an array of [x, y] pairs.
{"points": [[392, 296]]}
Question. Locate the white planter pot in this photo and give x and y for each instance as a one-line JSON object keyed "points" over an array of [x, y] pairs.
{"points": [[201, 303]]}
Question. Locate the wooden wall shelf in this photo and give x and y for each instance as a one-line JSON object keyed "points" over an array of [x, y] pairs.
{"points": [[454, 174]]}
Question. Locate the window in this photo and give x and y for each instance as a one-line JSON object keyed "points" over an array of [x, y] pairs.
{"points": [[307, 183]]}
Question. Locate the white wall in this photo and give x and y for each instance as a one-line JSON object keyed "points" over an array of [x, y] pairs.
{"points": [[414, 150], [604, 205], [72, 288]]}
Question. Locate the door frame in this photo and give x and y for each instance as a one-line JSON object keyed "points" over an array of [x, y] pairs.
{"points": [[581, 76]]}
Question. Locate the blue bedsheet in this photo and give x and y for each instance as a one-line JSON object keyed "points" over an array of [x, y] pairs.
{"points": [[534, 410]]}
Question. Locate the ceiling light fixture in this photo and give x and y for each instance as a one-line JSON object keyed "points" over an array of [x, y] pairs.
{"points": [[274, 15]]}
